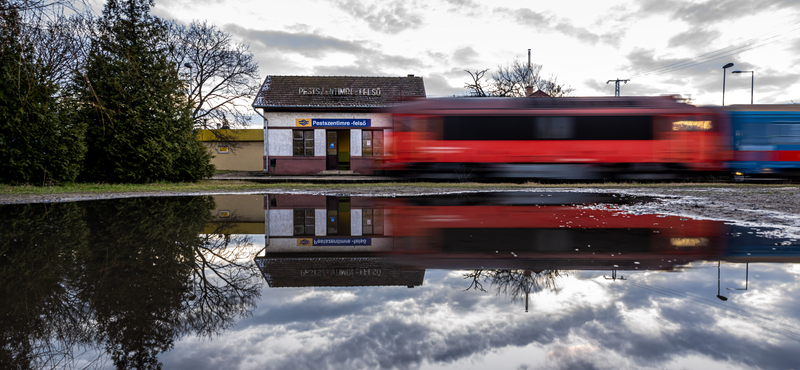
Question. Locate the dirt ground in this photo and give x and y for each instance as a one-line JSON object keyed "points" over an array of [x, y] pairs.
{"points": [[753, 205]]}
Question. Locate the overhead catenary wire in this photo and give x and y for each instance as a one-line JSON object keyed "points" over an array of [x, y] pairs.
{"points": [[746, 45]]}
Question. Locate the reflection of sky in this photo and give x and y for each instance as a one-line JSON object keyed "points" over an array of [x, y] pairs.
{"points": [[651, 320]]}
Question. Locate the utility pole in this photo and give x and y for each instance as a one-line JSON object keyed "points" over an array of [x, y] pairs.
{"points": [[616, 85]]}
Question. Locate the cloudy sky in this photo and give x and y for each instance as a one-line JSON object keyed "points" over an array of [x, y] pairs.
{"points": [[652, 320], [662, 46]]}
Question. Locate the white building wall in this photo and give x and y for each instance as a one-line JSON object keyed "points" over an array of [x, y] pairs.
{"points": [[319, 142], [320, 226], [356, 222], [281, 222], [355, 142], [280, 142]]}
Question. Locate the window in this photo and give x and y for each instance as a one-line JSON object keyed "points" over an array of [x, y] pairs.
{"points": [[304, 222], [547, 128], [303, 143], [372, 222], [222, 150], [371, 143], [783, 133]]}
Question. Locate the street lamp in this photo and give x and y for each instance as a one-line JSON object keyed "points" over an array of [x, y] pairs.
{"points": [[189, 65], [752, 74], [723, 81], [721, 297]]}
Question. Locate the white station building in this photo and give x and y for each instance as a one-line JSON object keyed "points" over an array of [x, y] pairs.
{"points": [[329, 124]]}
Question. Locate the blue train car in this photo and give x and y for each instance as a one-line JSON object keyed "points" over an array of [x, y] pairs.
{"points": [[766, 141]]}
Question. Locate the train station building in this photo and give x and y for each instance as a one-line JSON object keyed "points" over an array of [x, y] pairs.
{"points": [[329, 124]]}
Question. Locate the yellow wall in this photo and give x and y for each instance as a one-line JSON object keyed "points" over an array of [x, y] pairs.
{"points": [[247, 156], [247, 153], [245, 215], [236, 135]]}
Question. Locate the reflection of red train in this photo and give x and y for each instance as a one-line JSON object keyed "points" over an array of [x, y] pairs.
{"points": [[565, 138], [486, 233]]}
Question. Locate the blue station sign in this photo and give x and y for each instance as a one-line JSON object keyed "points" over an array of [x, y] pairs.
{"points": [[333, 122]]}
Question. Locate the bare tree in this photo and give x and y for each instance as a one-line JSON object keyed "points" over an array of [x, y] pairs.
{"points": [[226, 283], [518, 284], [224, 77], [511, 79], [475, 88]]}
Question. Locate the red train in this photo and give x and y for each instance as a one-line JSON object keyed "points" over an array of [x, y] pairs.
{"points": [[564, 138]]}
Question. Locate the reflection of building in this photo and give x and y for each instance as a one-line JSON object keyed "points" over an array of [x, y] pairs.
{"points": [[332, 271], [338, 241], [237, 214], [330, 241], [329, 123]]}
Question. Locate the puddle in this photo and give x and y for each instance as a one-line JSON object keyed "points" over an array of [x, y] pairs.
{"points": [[514, 279]]}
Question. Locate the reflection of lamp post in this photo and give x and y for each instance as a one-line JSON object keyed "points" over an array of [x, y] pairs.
{"points": [[746, 278], [614, 276], [752, 74], [719, 296], [723, 81]]}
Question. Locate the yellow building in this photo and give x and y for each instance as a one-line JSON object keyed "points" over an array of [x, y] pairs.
{"points": [[235, 150]]}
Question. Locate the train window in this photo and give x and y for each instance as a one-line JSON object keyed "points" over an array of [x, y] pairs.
{"points": [[488, 128], [555, 127], [547, 128], [692, 125], [614, 128], [783, 133]]}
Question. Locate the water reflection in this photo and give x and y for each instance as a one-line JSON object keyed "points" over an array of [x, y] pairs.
{"points": [[127, 277], [135, 283]]}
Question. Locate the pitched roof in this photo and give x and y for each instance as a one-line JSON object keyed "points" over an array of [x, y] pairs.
{"points": [[337, 91], [539, 94]]}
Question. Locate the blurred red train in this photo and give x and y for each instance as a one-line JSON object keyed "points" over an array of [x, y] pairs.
{"points": [[559, 138]]}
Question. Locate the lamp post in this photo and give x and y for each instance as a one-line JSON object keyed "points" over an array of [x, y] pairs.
{"points": [[189, 65], [723, 81], [752, 78], [721, 297]]}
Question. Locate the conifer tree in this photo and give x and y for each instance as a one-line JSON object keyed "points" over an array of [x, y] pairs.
{"points": [[39, 141], [140, 127]]}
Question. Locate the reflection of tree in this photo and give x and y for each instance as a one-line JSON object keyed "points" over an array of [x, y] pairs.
{"points": [[39, 314], [225, 281], [118, 276], [515, 283], [135, 273]]}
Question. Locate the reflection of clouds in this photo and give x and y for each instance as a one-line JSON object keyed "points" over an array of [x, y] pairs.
{"points": [[653, 320]]}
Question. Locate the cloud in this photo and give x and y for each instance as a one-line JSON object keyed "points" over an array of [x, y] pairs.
{"points": [[709, 12], [546, 22], [307, 44], [390, 17], [437, 85], [694, 38], [387, 327], [465, 55]]}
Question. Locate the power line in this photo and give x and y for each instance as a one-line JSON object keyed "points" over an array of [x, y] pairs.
{"points": [[752, 43]]}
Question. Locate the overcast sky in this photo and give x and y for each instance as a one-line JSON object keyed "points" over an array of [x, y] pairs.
{"points": [[652, 320], [583, 43]]}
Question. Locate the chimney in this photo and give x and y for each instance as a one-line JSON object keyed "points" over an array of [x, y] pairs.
{"points": [[410, 75], [528, 91]]}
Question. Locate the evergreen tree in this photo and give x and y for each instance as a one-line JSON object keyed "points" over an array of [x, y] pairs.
{"points": [[140, 127], [39, 142]]}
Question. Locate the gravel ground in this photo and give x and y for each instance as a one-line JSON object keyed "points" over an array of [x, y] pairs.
{"points": [[753, 205]]}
